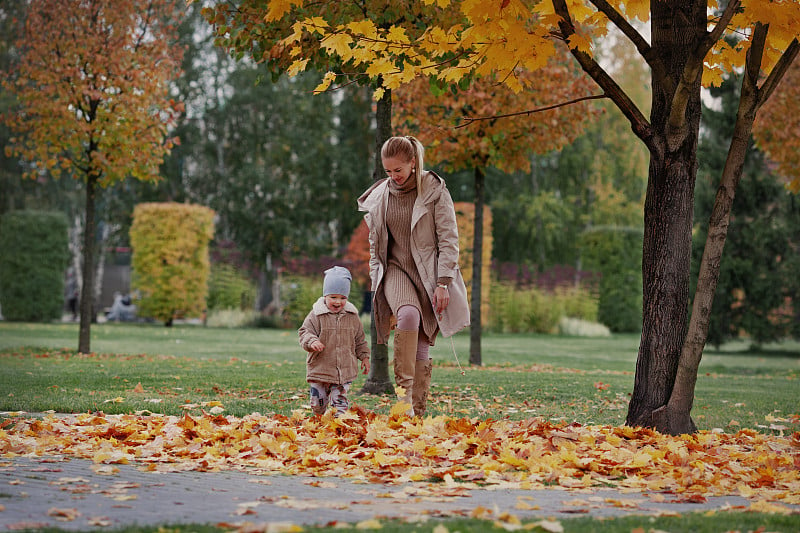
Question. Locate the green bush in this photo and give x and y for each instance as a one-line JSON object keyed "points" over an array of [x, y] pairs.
{"points": [[35, 254], [617, 255], [298, 295], [532, 310], [228, 288]]}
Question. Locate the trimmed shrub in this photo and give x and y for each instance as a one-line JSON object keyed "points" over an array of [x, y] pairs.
{"points": [[170, 259], [35, 254], [228, 288], [516, 310]]}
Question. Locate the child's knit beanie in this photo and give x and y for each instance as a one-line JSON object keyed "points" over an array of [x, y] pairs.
{"points": [[337, 281]]}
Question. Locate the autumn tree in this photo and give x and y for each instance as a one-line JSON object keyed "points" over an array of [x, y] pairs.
{"points": [[777, 128], [686, 49], [441, 117], [92, 86], [258, 30]]}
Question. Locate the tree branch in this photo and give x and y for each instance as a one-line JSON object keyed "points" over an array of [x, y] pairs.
{"points": [[676, 123], [778, 71], [716, 34], [642, 46], [470, 120], [639, 124]]}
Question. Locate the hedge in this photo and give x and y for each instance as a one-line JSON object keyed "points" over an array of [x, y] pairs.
{"points": [[35, 255], [170, 263]]}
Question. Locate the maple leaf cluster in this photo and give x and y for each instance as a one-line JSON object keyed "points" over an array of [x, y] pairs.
{"points": [[461, 453]]}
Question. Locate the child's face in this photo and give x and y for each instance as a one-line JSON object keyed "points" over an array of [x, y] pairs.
{"points": [[335, 302]]}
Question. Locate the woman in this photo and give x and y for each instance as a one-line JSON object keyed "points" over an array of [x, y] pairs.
{"points": [[416, 283]]}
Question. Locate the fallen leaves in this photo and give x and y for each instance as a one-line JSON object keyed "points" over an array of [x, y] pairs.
{"points": [[460, 453]]}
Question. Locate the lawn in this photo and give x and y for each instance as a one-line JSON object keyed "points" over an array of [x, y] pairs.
{"points": [[145, 367], [148, 368]]}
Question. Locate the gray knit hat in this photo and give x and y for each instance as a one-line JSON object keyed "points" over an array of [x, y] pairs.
{"points": [[337, 281]]}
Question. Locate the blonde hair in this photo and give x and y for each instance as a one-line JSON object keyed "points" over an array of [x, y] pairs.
{"points": [[406, 148]]}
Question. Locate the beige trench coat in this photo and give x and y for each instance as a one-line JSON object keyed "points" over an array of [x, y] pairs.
{"points": [[434, 247]]}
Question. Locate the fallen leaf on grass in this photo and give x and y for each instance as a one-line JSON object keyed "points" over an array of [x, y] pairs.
{"points": [[369, 524], [551, 526], [118, 399]]}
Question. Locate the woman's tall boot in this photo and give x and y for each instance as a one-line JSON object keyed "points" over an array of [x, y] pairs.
{"points": [[422, 384], [405, 355]]}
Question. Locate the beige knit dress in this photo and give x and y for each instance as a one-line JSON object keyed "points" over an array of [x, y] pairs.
{"points": [[402, 283]]}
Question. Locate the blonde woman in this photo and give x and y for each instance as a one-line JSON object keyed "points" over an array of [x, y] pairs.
{"points": [[416, 283]]}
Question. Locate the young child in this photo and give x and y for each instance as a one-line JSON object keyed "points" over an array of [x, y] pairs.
{"points": [[333, 336]]}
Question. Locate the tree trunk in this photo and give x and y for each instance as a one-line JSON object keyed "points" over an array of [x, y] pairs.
{"points": [[668, 210], [87, 286], [477, 271], [378, 381], [674, 417], [669, 352]]}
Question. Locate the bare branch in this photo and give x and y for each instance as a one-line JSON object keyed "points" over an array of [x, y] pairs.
{"points": [[470, 120], [716, 34], [642, 46], [639, 124], [778, 71]]}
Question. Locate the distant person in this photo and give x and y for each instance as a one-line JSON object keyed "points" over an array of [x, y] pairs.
{"points": [[413, 245], [122, 310], [333, 336]]}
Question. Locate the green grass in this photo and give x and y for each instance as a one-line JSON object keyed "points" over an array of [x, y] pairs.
{"points": [[560, 378], [695, 522], [261, 370]]}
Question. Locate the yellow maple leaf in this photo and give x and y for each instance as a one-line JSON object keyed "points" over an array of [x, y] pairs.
{"points": [[369, 524], [278, 8], [399, 409], [397, 34], [338, 43], [326, 82], [297, 67]]}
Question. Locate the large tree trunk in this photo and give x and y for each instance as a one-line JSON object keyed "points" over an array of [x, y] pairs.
{"points": [[378, 381], [669, 204], [674, 416], [87, 286], [477, 270], [669, 352]]}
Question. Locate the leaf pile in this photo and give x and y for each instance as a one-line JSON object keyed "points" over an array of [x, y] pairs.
{"points": [[460, 453]]}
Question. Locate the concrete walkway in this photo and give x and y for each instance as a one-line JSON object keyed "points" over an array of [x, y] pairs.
{"points": [[76, 494]]}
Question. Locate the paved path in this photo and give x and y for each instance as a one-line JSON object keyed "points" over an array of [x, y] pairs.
{"points": [[75, 494]]}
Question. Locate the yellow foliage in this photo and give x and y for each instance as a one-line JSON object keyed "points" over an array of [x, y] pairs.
{"points": [[170, 258]]}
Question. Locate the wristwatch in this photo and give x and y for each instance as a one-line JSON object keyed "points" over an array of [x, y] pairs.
{"points": [[442, 285]]}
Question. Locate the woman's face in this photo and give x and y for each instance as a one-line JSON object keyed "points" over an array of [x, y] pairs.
{"points": [[398, 169]]}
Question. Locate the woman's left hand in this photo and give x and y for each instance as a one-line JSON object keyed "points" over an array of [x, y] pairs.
{"points": [[441, 298]]}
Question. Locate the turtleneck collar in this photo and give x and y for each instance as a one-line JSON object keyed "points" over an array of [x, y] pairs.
{"points": [[409, 185]]}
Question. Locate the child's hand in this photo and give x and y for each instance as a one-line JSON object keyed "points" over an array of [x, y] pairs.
{"points": [[365, 366], [316, 346]]}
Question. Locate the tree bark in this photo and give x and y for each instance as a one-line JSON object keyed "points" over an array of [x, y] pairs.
{"points": [[475, 357], [87, 286], [670, 351], [668, 214], [378, 381]]}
